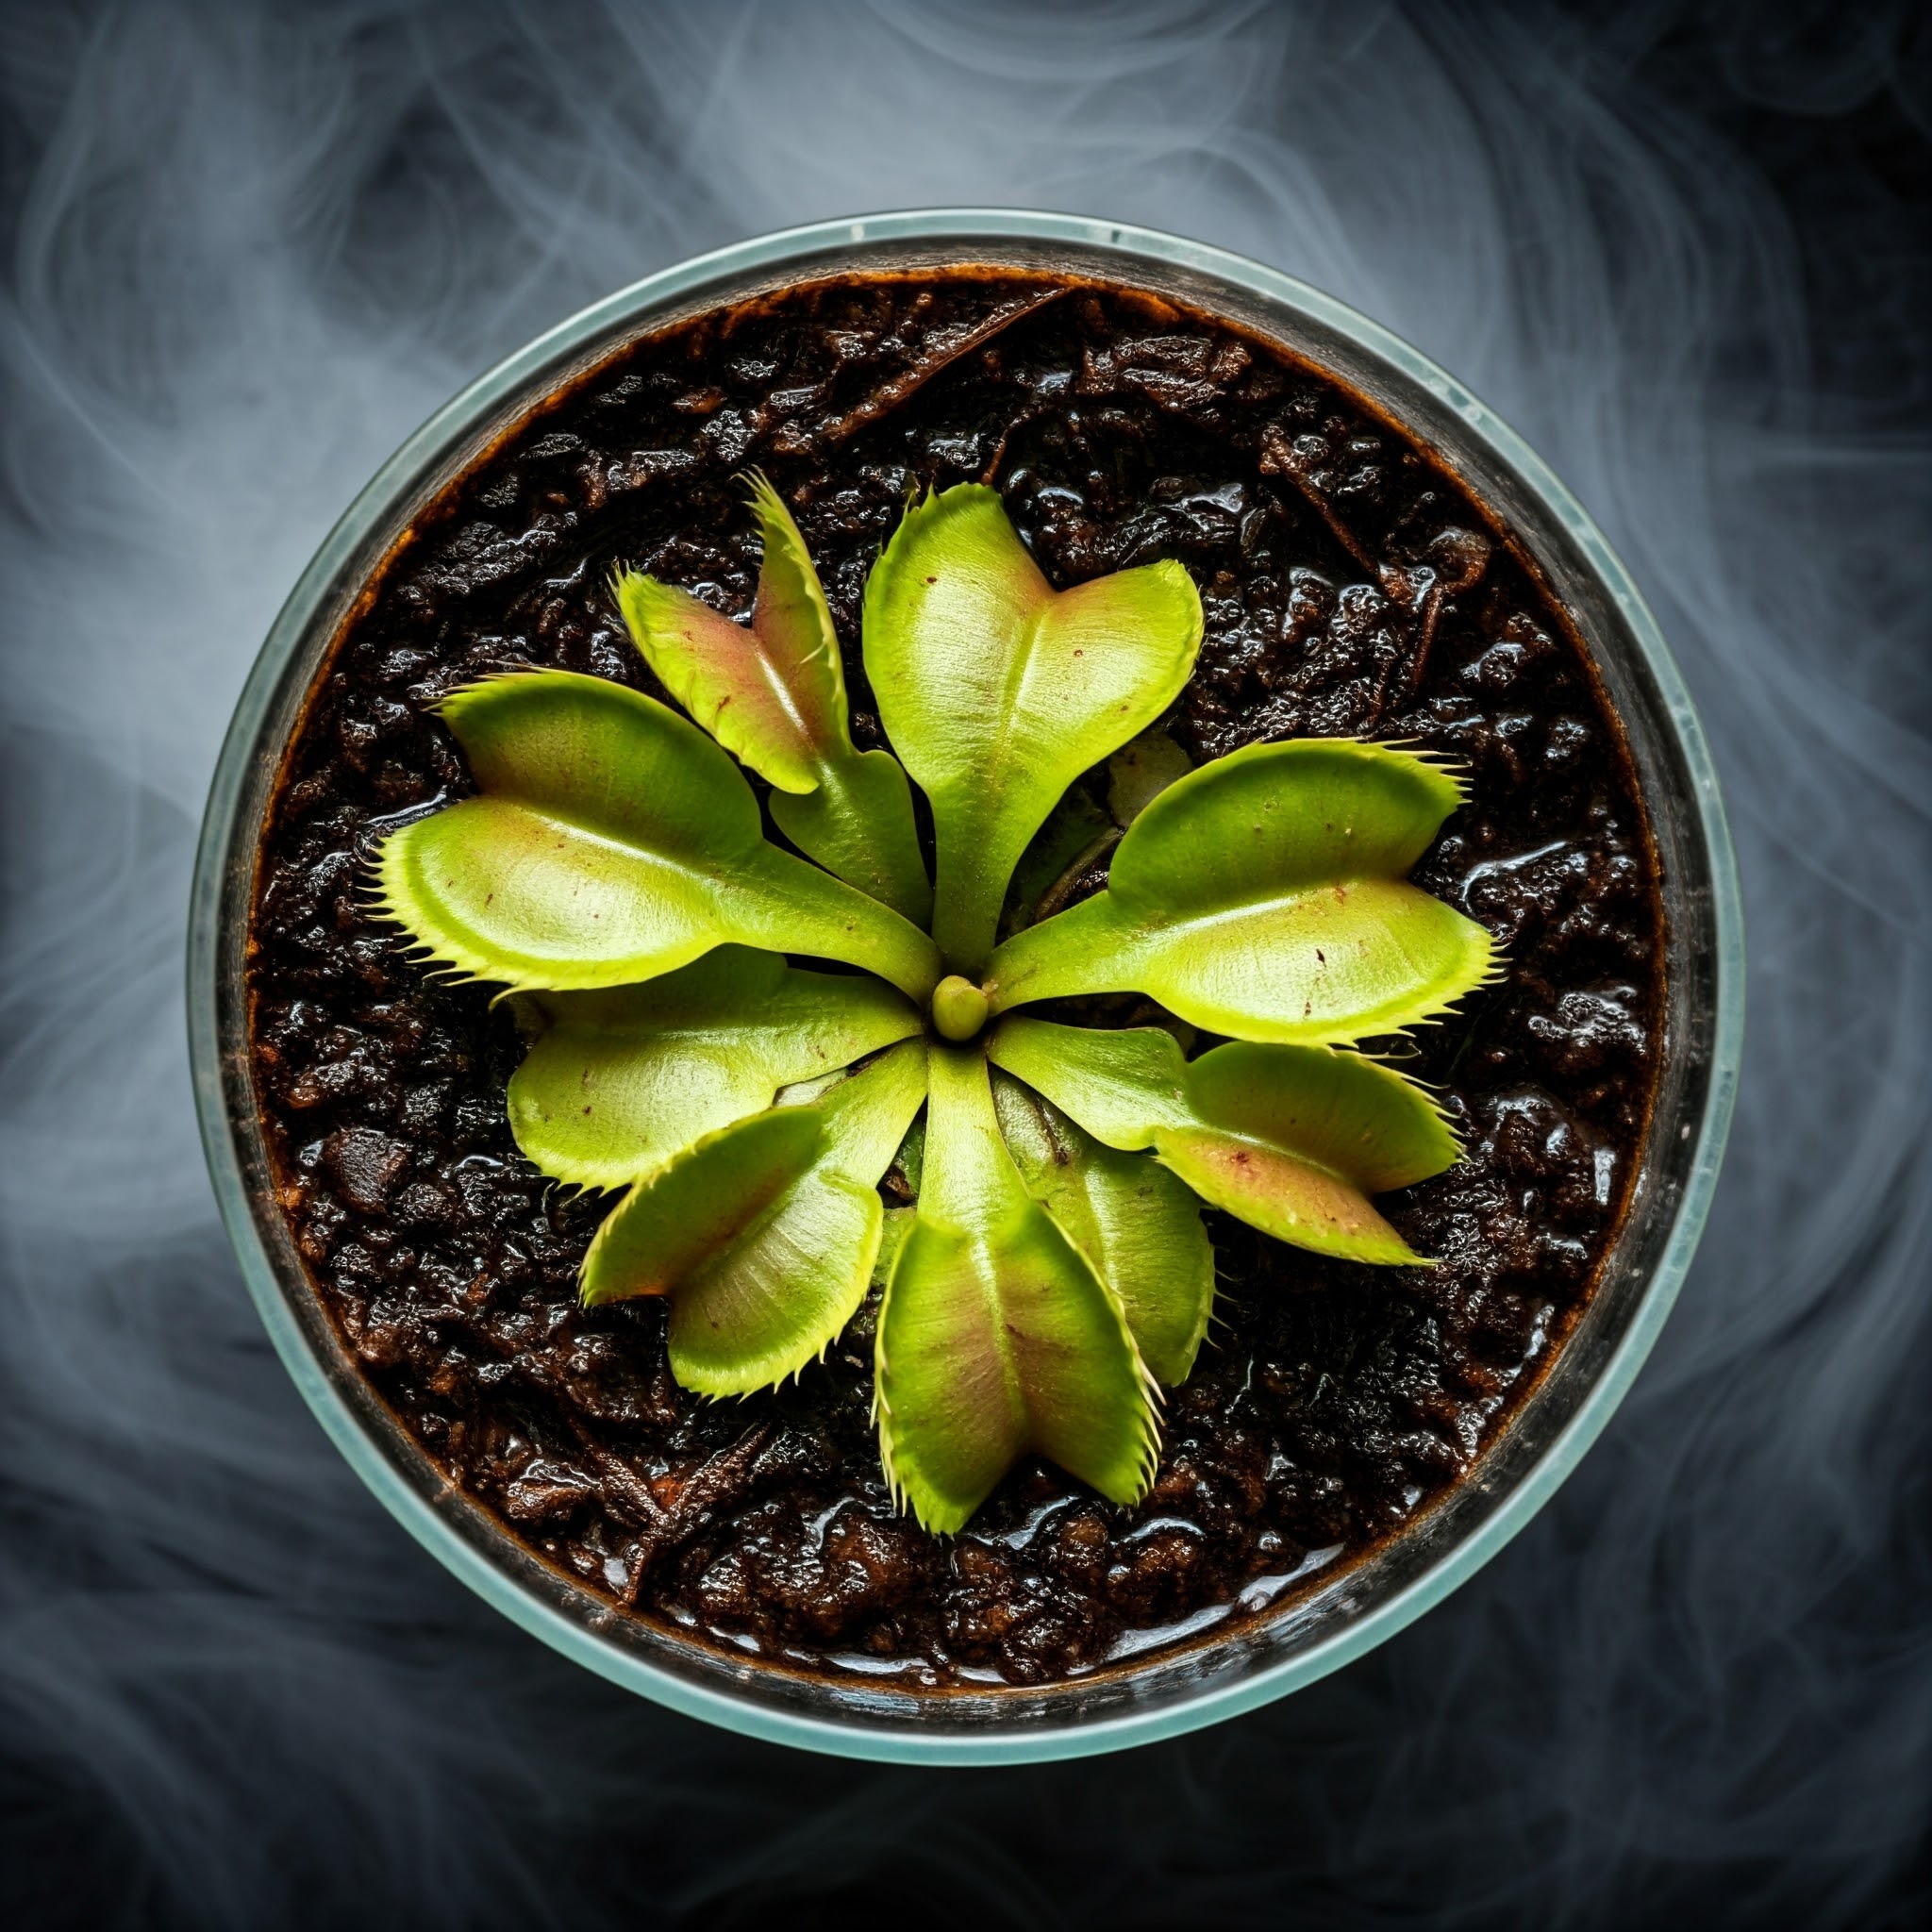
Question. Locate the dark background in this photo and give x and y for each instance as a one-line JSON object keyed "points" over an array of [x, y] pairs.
{"points": [[1682, 248]]}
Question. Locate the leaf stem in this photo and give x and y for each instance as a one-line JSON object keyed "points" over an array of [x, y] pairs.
{"points": [[819, 915]]}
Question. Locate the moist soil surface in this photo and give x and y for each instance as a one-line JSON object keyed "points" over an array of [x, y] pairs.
{"points": [[1351, 587]]}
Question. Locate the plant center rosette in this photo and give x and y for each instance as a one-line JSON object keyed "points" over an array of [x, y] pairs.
{"points": [[614, 874]]}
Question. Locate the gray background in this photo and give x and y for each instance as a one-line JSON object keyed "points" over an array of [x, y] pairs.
{"points": [[1680, 246]]}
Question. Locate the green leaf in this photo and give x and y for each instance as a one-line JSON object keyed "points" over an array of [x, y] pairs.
{"points": [[996, 1336], [998, 691], [620, 1079], [613, 841], [1263, 896], [764, 1234], [1137, 1222], [772, 693], [1292, 1140]]}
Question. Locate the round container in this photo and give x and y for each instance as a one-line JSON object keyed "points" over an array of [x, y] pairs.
{"points": [[1216, 1677]]}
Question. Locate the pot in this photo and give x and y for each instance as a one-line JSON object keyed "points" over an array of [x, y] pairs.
{"points": [[1216, 1676]]}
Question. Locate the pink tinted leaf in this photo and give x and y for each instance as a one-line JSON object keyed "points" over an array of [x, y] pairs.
{"points": [[1292, 1140], [772, 693], [719, 672]]}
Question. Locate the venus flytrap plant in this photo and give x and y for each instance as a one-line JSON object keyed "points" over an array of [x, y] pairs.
{"points": [[613, 875]]}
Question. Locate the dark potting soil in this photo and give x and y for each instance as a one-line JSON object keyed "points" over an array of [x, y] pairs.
{"points": [[1350, 587]]}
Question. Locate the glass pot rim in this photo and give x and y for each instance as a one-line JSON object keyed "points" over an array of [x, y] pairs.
{"points": [[1215, 1676]]}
